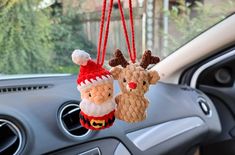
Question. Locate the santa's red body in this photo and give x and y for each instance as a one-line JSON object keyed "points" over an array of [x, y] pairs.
{"points": [[97, 123]]}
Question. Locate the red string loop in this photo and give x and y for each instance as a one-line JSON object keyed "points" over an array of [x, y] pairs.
{"points": [[101, 30], [132, 30], [132, 53], [106, 32]]}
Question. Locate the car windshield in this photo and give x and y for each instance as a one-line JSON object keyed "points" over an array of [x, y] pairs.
{"points": [[38, 36]]}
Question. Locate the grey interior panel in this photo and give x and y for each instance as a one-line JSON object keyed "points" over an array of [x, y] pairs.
{"points": [[147, 137], [35, 111], [99, 147], [121, 149]]}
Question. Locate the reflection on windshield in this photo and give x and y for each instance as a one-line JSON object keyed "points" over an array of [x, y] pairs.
{"points": [[38, 36]]}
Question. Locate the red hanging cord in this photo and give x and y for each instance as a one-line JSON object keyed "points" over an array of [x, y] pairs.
{"points": [[106, 32], [132, 53], [132, 30], [124, 28], [101, 30]]}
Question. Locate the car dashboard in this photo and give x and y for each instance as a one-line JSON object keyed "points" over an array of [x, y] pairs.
{"points": [[40, 115]]}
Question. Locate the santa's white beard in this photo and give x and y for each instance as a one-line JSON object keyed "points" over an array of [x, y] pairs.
{"points": [[92, 109]]}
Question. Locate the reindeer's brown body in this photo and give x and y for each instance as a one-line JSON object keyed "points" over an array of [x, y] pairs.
{"points": [[134, 81], [131, 110]]}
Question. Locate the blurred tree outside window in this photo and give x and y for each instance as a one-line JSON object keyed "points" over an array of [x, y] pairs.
{"points": [[190, 18], [67, 35], [35, 40], [25, 35]]}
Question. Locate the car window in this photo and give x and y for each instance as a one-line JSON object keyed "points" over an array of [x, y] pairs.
{"points": [[39, 36]]}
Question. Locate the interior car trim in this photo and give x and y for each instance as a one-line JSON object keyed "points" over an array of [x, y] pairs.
{"points": [[94, 151], [63, 126], [165, 132], [121, 149], [18, 132], [196, 74]]}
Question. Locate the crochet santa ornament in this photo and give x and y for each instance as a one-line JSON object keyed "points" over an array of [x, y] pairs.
{"points": [[96, 86]]}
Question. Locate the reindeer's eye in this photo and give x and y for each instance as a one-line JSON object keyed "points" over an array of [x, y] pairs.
{"points": [[144, 82], [124, 80], [89, 94]]}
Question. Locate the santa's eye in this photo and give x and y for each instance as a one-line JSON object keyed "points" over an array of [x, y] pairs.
{"points": [[124, 80], [109, 94], [89, 94], [144, 82]]}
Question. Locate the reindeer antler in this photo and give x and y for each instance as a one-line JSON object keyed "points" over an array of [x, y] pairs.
{"points": [[118, 59], [148, 59]]}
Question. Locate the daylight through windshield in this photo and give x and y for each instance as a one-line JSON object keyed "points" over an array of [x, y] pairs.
{"points": [[39, 36]]}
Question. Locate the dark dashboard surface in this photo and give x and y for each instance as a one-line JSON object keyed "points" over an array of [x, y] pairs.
{"points": [[175, 113]]}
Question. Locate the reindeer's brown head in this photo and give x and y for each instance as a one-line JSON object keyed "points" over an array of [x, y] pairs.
{"points": [[134, 78]]}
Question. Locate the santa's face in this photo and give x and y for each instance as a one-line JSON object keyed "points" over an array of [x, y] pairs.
{"points": [[97, 110], [99, 93]]}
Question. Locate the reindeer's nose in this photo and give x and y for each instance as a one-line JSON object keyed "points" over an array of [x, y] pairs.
{"points": [[132, 85]]}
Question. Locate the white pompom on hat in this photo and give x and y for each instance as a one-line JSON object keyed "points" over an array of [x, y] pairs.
{"points": [[80, 57]]}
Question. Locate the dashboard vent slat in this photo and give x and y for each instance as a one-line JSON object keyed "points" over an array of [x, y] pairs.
{"points": [[12, 89], [10, 138], [69, 120], [74, 128]]}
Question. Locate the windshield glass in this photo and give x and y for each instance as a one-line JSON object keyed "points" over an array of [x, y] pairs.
{"points": [[38, 36]]}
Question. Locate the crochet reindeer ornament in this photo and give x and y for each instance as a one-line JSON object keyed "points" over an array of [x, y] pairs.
{"points": [[134, 78], [95, 83]]}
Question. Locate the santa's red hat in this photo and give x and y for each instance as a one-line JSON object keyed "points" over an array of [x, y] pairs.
{"points": [[91, 73]]}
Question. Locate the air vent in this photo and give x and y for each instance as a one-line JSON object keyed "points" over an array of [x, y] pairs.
{"points": [[69, 120], [12, 89], [10, 138]]}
